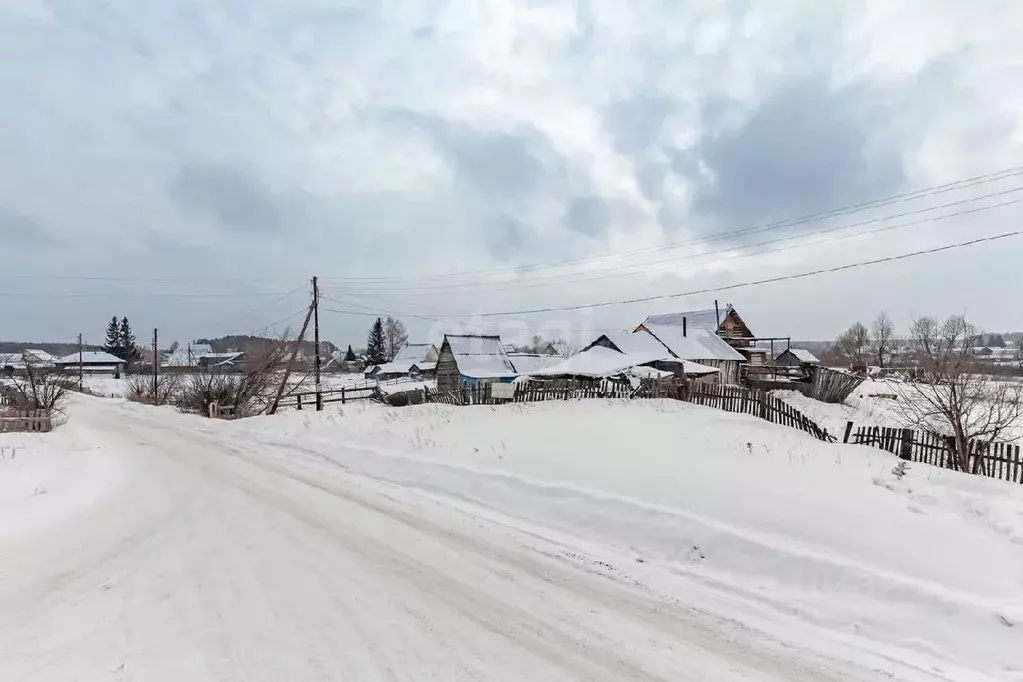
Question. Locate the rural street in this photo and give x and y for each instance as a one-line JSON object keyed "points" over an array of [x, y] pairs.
{"points": [[217, 557]]}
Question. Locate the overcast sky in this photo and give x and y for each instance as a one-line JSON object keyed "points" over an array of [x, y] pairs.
{"points": [[216, 155]]}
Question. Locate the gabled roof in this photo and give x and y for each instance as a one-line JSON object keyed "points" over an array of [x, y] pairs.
{"points": [[92, 357], [698, 344], [480, 357], [639, 343], [695, 319], [40, 355], [528, 363], [413, 353], [12, 360], [800, 354]]}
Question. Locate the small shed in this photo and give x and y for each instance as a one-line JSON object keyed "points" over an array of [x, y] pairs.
{"points": [[796, 357], [472, 359]]}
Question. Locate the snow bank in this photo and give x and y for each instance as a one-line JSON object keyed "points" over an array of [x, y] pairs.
{"points": [[49, 478], [723, 510]]}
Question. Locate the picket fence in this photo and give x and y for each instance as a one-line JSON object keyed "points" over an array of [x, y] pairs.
{"points": [[996, 460], [756, 403]]}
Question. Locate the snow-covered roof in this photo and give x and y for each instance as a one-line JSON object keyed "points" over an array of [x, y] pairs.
{"points": [[425, 366], [695, 319], [595, 362], [12, 360], [392, 368], [698, 344], [413, 353], [800, 354], [480, 357], [528, 363], [40, 355], [639, 343], [91, 357]]}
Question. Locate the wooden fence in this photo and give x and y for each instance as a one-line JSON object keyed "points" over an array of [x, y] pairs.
{"points": [[35, 421], [758, 404], [997, 460], [533, 391], [307, 399]]}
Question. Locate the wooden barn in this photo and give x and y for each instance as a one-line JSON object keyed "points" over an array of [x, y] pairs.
{"points": [[472, 359], [796, 357]]}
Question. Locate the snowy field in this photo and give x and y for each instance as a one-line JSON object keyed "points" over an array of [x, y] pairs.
{"points": [[109, 387], [580, 540]]}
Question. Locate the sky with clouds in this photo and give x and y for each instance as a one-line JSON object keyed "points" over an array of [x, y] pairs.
{"points": [[192, 164]]}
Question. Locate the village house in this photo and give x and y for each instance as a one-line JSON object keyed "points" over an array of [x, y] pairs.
{"points": [[91, 362], [725, 323], [638, 354], [187, 357], [700, 345], [472, 359], [420, 356]]}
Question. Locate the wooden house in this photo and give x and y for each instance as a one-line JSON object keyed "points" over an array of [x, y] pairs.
{"points": [[699, 345], [726, 323], [472, 359], [91, 362], [416, 358]]}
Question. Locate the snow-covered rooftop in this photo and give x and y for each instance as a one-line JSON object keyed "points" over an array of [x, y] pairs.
{"points": [[801, 354], [413, 353], [528, 363], [91, 357], [481, 357], [695, 319], [698, 344]]}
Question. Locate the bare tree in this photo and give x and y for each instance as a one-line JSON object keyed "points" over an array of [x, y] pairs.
{"points": [[38, 387], [855, 344], [139, 388], [1019, 355], [883, 332], [949, 394], [395, 337], [565, 347]]}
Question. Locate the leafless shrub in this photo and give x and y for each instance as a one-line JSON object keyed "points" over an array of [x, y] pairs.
{"points": [[199, 391], [139, 388], [38, 388], [950, 394]]}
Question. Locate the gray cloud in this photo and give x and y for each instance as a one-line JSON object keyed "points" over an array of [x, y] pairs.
{"points": [[588, 216], [636, 123], [803, 149], [234, 198], [19, 227]]}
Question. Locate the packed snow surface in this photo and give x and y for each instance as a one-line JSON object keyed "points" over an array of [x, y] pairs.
{"points": [[582, 540]]}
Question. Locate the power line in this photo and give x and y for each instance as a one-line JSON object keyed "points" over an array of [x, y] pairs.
{"points": [[643, 269], [813, 217], [769, 280], [133, 294]]}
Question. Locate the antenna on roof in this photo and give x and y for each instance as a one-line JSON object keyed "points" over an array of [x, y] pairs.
{"points": [[717, 314]]}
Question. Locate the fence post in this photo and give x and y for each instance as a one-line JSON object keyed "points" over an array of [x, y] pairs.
{"points": [[848, 430], [299, 397], [906, 452]]}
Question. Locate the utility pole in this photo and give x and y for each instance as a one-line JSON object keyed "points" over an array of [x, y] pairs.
{"points": [[291, 361], [80, 382], [156, 365], [316, 341]]}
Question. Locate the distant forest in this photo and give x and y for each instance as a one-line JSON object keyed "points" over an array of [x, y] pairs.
{"points": [[245, 342], [55, 349]]}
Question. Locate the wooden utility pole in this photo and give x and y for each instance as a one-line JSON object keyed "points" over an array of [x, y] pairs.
{"points": [[316, 341], [291, 361], [156, 365], [80, 382]]}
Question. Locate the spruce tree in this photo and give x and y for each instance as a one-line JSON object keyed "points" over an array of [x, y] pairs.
{"points": [[350, 355], [129, 349], [113, 341], [376, 350]]}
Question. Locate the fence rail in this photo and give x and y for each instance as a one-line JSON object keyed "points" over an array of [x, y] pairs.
{"points": [[996, 460], [34, 421], [341, 395]]}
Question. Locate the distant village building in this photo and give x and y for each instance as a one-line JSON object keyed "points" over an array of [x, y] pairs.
{"points": [[421, 356], [472, 359], [187, 356], [700, 345], [91, 362], [796, 357]]}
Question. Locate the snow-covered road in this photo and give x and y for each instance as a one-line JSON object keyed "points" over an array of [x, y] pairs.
{"points": [[220, 556]]}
